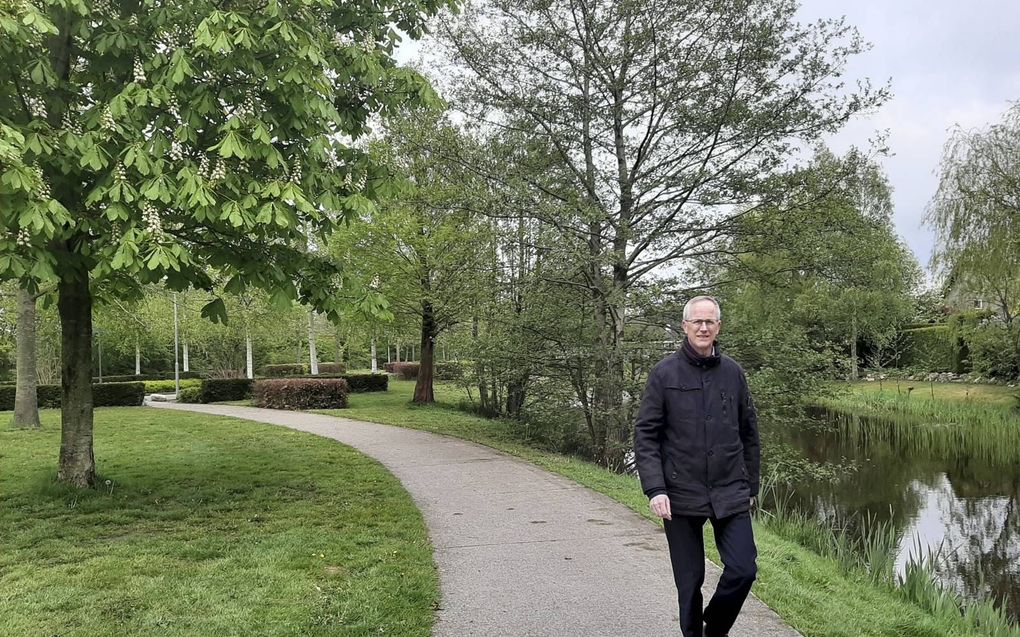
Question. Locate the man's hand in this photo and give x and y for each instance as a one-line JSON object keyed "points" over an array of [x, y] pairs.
{"points": [[660, 507]]}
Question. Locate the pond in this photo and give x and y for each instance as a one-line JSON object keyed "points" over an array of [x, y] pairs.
{"points": [[942, 487]]}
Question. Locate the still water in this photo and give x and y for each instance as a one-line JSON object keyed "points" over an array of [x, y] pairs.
{"points": [[940, 490]]}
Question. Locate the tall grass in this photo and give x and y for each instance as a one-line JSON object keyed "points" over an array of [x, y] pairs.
{"points": [[941, 428], [867, 548]]}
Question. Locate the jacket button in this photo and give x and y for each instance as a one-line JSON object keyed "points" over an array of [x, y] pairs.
{"points": [[711, 452]]}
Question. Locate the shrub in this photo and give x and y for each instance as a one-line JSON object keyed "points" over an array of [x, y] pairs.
{"points": [[163, 386], [332, 368], [388, 367], [103, 395], [118, 394], [357, 383], [190, 395], [995, 350], [219, 389], [934, 349], [450, 370], [406, 371], [301, 393], [283, 370]]}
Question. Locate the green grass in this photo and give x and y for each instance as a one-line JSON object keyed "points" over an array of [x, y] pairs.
{"points": [[208, 526], [815, 594]]}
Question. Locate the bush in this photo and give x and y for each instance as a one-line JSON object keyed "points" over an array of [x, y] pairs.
{"points": [[994, 350], [190, 395], [103, 395], [357, 383], [130, 378], [118, 394], [219, 389], [451, 370], [935, 349], [164, 386], [332, 368], [301, 393], [406, 371], [284, 370]]}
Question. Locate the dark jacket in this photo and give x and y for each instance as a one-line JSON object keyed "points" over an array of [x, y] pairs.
{"points": [[696, 437]]}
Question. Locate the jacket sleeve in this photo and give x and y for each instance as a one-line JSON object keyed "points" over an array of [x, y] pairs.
{"points": [[749, 437], [651, 419]]}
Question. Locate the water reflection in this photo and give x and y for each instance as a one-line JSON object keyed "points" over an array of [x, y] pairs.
{"points": [[940, 492]]}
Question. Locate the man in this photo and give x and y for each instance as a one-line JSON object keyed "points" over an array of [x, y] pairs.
{"points": [[697, 452]]}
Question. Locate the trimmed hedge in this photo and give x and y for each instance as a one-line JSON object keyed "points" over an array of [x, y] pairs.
{"points": [[406, 371], [118, 394], [357, 383], [284, 370], [190, 395], [103, 395], [935, 348], [450, 370], [219, 389], [332, 368], [130, 378], [301, 393]]}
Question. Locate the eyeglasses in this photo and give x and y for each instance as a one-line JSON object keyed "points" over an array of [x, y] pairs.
{"points": [[709, 323]]}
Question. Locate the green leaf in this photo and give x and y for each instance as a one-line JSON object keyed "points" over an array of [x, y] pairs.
{"points": [[215, 311]]}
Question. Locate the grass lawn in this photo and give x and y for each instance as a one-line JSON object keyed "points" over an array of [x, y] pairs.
{"points": [[208, 526], [813, 593], [958, 393]]}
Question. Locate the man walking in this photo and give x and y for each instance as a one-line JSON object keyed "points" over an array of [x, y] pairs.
{"points": [[697, 452]]}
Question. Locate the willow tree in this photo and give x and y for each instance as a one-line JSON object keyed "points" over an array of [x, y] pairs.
{"points": [[666, 118], [155, 142], [976, 212]]}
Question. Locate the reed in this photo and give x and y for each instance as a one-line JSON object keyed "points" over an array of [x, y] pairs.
{"points": [[866, 547]]}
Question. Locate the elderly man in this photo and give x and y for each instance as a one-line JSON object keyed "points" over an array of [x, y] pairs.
{"points": [[696, 445]]}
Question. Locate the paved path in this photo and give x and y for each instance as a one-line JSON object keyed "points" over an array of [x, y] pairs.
{"points": [[521, 551]]}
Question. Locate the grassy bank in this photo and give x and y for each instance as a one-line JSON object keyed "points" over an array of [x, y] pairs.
{"points": [[982, 421], [208, 526], [815, 594]]}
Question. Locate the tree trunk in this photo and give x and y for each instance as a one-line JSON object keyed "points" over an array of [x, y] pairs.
{"points": [[483, 389], [184, 353], [423, 389], [26, 393], [77, 465], [854, 372], [313, 353], [138, 358], [249, 367], [398, 351], [375, 363]]}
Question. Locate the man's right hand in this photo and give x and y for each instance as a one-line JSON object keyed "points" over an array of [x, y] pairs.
{"points": [[660, 507]]}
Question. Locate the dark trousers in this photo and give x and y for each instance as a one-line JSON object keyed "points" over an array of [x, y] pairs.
{"points": [[735, 541]]}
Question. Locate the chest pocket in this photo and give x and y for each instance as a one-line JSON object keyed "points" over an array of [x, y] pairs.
{"points": [[684, 400]]}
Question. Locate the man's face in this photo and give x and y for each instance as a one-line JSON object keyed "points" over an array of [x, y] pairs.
{"points": [[702, 327]]}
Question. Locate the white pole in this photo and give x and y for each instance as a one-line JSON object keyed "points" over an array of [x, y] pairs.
{"points": [[177, 369]]}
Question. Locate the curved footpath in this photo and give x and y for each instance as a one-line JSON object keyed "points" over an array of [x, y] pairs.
{"points": [[521, 551]]}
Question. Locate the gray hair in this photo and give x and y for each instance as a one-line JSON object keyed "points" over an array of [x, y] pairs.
{"points": [[690, 304]]}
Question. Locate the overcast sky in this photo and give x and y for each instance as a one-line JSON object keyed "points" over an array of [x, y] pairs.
{"points": [[949, 62]]}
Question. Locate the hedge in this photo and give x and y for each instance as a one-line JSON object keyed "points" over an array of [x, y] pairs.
{"points": [[282, 370], [406, 371], [332, 368], [935, 348], [128, 378], [450, 370], [357, 383], [301, 393], [103, 395], [219, 389], [190, 395]]}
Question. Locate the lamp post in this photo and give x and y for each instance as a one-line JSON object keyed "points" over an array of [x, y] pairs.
{"points": [[177, 372]]}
